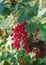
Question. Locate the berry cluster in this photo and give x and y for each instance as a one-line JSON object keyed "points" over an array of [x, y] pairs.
{"points": [[20, 35], [40, 49], [20, 38], [34, 35], [41, 46]]}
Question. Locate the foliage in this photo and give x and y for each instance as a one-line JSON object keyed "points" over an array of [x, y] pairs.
{"points": [[15, 12]]}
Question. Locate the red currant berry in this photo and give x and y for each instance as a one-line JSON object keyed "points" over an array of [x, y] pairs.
{"points": [[34, 40], [11, 34], [35, 34], [36, 30]]}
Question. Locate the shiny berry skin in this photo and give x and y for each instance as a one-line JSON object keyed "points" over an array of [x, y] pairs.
{"points": [[12, 38], [11, 34], [20, 34]]}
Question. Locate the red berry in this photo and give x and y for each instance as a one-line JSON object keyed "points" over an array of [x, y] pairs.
{"points": [[34, 50], [24, 46], [35, 34], [27, 50], [12, 38], [25, 22], [17, 35], [12, 29], [33, 47], [38, 54], [34, 40], [20, 35], [25, 41], [17, 47], [25, 33], [41, 43], [36, 30], [11, 34]]}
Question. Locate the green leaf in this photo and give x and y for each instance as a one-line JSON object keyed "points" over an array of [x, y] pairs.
{"points": [[23, 16], [2, 6], [27, 12], [6, 11], [27, 0], [3, 24], [32, 26], [42, 35]]}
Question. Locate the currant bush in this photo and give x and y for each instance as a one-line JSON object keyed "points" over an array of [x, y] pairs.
{"points": [[22, 32]]}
